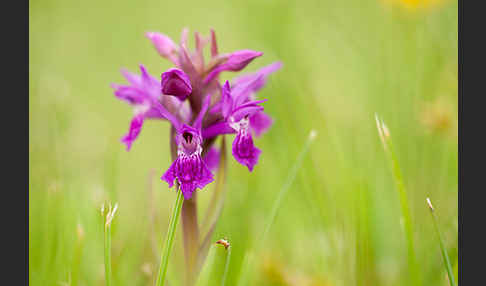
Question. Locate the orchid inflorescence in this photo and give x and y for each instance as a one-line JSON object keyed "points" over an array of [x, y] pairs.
{"points": [[198, 107]]}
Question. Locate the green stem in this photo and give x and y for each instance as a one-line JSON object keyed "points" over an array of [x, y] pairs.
{"points": [[445, 256], [226, 266], [190, 233], [170, 239], [108, 254], [405, 211]]}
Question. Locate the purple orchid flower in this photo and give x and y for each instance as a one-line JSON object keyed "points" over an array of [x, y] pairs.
{"points": [[236, 111], [244, 89], [249, 84], [191, 97], [198, 107], [142, 92], [189, 168]]}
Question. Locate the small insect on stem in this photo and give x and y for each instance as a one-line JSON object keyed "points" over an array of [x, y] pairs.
{"points": [[223, 242]]}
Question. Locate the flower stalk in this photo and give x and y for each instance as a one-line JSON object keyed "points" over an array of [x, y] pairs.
{"points": [[164, 261], [190, 232]]}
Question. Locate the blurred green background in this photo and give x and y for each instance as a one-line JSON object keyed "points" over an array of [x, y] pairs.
{"points": [[339, 224]]}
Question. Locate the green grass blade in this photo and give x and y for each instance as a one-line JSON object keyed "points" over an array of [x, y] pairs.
{"points": [[215, 207], [108, 256], [204, 276], [286, 186], [78, 250], [248, 260], [404, 203], [170, 239], [226, 266], [108, 219], [445, 256]]}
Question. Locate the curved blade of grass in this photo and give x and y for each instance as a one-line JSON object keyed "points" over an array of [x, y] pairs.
{"points": [[78, 250], [404, 208], [276, 205], [206, 270], [226, 266], [108, 256], [445, 256], [215, 206], [108, 219], [170, 239]]}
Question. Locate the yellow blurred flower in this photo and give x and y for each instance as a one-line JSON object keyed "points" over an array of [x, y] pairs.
{"points": [[439, 117], [414, 5], [275, 271]]}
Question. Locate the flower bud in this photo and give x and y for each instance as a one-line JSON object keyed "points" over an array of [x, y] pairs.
{"points": [[175, 82]]}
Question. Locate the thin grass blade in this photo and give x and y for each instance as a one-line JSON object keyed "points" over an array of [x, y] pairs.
{"points": [[244, 276], [107, 241], [385, 137], [445, 255], [215, 206]]}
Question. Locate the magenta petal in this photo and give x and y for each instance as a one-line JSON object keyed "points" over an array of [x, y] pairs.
{"points": [[164, 45], [242, 91], [214, 45], [226, 100], [132, 78], [260, 122], [245, 85], [217, 107], [169, 175], [199, 119], [191, 172], [235, 62], [156, 106], [130, 94], [212, 158], [141, 88], [263, 72], [247, 109], [240, 59], [217, 129], [206, 176], [175, 82], [244, 151], [135, 128]]}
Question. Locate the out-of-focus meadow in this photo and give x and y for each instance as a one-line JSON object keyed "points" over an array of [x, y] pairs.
{"points": [[339, 223]]}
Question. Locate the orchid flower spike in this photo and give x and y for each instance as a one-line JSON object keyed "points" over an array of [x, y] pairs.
{"points": [[198, 106]]}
